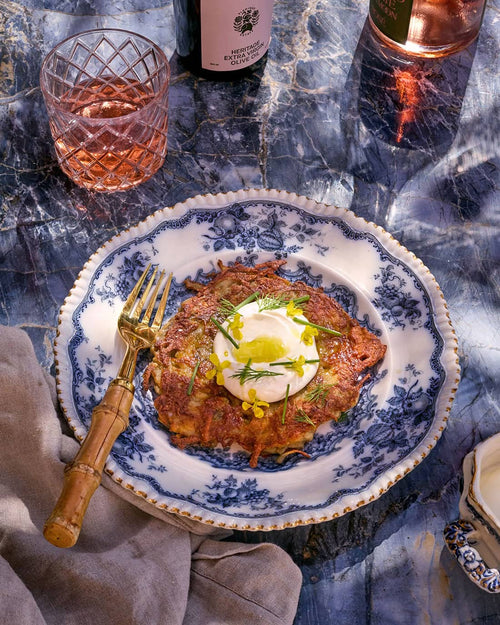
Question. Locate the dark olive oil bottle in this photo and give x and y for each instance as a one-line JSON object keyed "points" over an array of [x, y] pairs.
{"points": [[223, 39]]}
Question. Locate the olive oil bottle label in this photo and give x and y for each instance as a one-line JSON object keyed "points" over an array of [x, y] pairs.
{"points": [[392, 18], [235, 34]]}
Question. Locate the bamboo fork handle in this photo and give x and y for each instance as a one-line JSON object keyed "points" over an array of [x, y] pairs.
{"points": [[83, 475]]}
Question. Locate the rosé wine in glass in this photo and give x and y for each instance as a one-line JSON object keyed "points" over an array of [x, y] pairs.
{"points": [[106, 92]]}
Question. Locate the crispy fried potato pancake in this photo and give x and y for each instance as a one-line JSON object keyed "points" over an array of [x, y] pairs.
{"points": [[209, 415]]}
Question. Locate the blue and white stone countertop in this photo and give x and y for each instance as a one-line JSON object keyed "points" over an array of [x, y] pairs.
{"points": [[323, 118]]}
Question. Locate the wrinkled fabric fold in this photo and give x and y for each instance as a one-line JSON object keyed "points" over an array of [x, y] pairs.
{"points": [[133, 563]]}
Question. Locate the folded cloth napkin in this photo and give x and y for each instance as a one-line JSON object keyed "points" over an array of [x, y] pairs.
{"points": [[133, 563]]}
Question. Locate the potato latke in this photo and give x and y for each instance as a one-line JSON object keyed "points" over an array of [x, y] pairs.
{"points": [[198, 411]]}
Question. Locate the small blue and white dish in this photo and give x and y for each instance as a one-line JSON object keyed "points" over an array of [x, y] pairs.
{"points": [[402, 410], [474, 539]]}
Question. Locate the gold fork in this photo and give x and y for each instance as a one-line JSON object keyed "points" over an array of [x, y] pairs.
{"points": [[111, 417]]}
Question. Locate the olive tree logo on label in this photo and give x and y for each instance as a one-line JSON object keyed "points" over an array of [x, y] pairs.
{"points": [[246, 20]]}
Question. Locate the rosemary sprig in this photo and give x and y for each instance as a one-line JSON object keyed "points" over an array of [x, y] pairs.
{"points": [[193, 375], [303, 417], [247, 373], [315, 325], [272, 302], [227, 308], [318, 393], [224, 332], [285, 404]]}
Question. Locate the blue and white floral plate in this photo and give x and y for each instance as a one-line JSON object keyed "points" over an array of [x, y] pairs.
{"points": [[402, 410]]}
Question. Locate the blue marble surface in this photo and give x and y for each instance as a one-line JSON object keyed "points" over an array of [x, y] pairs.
{"points": [[412, 145]]}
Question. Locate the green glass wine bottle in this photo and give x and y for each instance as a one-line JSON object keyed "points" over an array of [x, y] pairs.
{"points": [[427, 27]]}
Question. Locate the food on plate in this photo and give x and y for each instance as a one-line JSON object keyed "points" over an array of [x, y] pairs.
{"points": [[256, 360]]}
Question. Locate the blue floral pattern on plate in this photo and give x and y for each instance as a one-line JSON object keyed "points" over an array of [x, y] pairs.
{"points": [[402, 409]]}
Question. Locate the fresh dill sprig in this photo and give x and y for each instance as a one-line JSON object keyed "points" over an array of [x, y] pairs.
{"points": [[303, 417], [272, 302], [247, 373], [228, 309], [193, 375], [318, 393]]}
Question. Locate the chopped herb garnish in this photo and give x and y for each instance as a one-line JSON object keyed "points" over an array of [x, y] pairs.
{"points": [[302, 417], [291, 363], [272, 302], [285, 404], [224, 332], [193, 375], [297, 365], [301, 300], [227, 308], [343, 417], [318, 393], [315, 325], [247, 373]]}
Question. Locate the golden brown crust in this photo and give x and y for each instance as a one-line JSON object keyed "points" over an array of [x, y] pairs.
{"points": [[210, 415]]}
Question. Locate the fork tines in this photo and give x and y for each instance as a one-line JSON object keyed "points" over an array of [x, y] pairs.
{"points": [[135, 304]]}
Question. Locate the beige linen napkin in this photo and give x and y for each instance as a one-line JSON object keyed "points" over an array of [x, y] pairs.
{"points": [[133, 563]]}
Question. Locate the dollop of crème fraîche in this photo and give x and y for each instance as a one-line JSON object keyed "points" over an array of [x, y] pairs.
{"points": [[272, 353]]}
